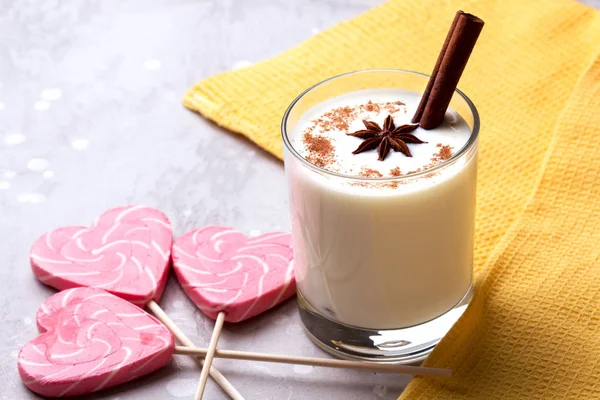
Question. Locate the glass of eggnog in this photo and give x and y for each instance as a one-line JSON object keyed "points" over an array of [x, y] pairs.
{"points": [[383, 214]]}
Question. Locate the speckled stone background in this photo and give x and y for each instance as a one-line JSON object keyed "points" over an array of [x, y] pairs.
{"points": [[91, 117]]}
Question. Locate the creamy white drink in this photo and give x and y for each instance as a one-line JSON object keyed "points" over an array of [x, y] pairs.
{"points": [[381, 244]]}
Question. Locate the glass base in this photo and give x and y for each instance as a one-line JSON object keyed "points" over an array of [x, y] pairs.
{"points": [[400, 346]]}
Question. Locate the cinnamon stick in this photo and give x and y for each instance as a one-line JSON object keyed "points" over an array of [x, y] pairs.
{"points": [[448, 69], [427, 92]]}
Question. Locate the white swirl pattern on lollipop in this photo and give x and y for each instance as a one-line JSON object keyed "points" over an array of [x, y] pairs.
{"points": [[91, 340], [221, 269], [126, 252]]}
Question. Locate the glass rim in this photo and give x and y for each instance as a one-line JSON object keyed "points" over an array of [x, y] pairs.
{"points": [[472, 138]]}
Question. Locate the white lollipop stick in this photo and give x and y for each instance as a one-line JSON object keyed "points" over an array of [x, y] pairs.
{"points": [[212, 347], [318, 362], [181, 337]]}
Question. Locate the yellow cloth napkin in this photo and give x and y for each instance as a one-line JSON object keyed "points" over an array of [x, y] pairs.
{"points": [[533, 328]]}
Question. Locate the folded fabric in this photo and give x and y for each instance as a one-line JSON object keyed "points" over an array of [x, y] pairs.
{"points": [[533, 328]]}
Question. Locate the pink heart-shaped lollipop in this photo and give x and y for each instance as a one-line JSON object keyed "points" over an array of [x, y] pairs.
{"points": [[91, 340], [125, 252], [222, 270]]}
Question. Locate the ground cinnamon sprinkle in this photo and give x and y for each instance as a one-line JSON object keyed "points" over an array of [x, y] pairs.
{"points": [[443, 154], [371, 107], [370, 173], [395, 172], [379, 185], [312, 126], [337, 118], [394, 107], [321, 151]]}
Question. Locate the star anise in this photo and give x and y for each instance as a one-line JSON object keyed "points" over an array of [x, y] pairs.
{"points": [[383, 139]]}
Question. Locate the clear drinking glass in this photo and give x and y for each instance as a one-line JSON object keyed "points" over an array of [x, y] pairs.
{"points": [[382, 274]]}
